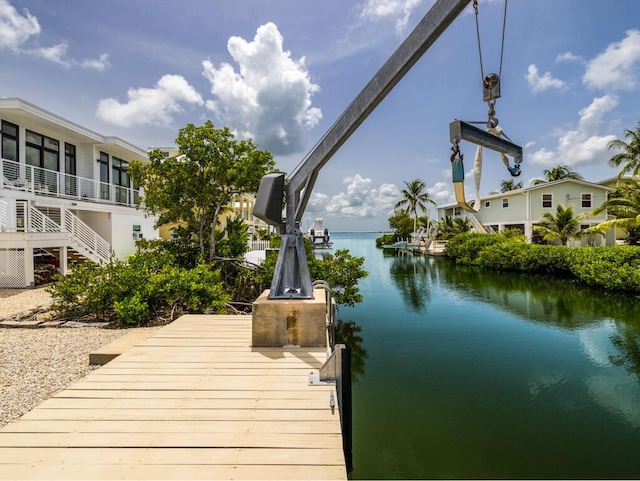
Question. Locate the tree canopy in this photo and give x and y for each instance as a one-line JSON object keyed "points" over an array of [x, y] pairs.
{"points": [[558, 172], [193, 188], [628, 155], [561, 226], [414, 198]]}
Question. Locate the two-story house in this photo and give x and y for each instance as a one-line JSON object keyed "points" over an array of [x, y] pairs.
{"points": [[65, 194], [524, 208]]}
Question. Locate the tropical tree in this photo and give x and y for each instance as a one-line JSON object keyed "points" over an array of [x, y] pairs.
{"points": [[558, 172], [507, 185], [449, 227], [561, 226], [415, 197], [628, 155], [193, 188], [624, 204]]}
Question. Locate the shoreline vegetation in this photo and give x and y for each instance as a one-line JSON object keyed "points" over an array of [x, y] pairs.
{"points": [[613, 268]]}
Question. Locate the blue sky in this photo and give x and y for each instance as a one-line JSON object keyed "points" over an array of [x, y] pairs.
{"points": [[282, 71]]}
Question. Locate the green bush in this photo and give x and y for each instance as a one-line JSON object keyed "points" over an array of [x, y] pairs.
{"points": [[134, 293], [612, 268]]}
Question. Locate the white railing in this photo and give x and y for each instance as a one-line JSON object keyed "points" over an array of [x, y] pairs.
{"points": [[259, 245], [49, 182], [39, 222], [86, 237], [476, 223], [4, 219]]}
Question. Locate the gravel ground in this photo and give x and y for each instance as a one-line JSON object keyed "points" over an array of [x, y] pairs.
{"points": [[37, 363]]}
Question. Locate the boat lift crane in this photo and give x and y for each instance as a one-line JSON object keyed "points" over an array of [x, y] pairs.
{"points": [[291, 279]]}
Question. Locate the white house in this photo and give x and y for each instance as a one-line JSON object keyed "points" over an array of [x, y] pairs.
{"points": [[524, 208], [65, 194]]}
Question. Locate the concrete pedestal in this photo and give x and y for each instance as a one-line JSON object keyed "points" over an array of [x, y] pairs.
{"points": [[295, 322]]}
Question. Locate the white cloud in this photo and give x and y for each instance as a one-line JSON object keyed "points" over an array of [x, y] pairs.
{"points": [[269, 98], [55, 53], [397, 10], [150, 106], [359, 200], [16, 29], [100, 64], [568, 57], [584, 144], [441, 193], [539, 83], [618, 67]]}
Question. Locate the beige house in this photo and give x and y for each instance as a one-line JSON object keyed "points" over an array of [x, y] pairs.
{"points": [[524, 208], [65, 194]]}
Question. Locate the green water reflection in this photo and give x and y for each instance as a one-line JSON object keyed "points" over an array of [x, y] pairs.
{"points": [[469, 374]]}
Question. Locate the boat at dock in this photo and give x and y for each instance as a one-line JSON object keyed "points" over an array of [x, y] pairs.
{"points": [[319, 235]]}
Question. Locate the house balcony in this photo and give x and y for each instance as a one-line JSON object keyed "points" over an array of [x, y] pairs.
{"points": [[39, 181]]}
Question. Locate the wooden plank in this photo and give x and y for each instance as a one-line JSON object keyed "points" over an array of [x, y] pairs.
{"points": [[151, 403], [171, 426], [170, 440], [308, 415], [62, 471], [190, 394], [175, 456]]}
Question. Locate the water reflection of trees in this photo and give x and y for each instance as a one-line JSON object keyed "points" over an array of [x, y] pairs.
{"points": [[348, 333], [562, 303], [413, 275]]}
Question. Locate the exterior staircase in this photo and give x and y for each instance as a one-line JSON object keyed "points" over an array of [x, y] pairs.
{"points": [[82, 242]]}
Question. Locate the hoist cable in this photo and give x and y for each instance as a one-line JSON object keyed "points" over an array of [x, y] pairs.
{"points": [[504, 27], [475, 7]]}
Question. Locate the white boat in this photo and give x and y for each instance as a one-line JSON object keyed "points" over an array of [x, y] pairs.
{"points": [[319, 235]]}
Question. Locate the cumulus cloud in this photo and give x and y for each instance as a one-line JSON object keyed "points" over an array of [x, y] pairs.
{"points": [[16, 29], [398, 11], [268, 98], [584, 144], [359, 200], [150, 106], [568, 57], [540, 83], [618, 67], [441, 193]]}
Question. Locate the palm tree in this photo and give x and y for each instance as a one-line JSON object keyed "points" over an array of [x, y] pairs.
{"points": [[414, 197], [561, 226], [507, 185], [629, 153], [624, 204], [558, 172]]}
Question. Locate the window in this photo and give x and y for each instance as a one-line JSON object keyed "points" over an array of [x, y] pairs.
{"points": [[547, 201], [9, 141], [9, 150], [103, 160], [586, 201], [487, 204], [70, 159], [119, 169], [457, 211], [70, 181], [505, 202], [43, 153]]}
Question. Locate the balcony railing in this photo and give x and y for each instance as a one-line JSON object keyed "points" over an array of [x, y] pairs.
{"points": [[41, 181]]}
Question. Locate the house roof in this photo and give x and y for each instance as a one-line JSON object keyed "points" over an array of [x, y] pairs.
{"points": [[544, 185], [27, 112]]}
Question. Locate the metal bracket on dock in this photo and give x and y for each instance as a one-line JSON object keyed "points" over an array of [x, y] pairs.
{"points": [[337, 371]]}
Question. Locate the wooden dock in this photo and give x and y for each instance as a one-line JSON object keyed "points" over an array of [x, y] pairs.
{"points": [[193, 401]]}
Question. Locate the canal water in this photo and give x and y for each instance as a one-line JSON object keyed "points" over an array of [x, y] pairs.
{"points": [[466, 374]]}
